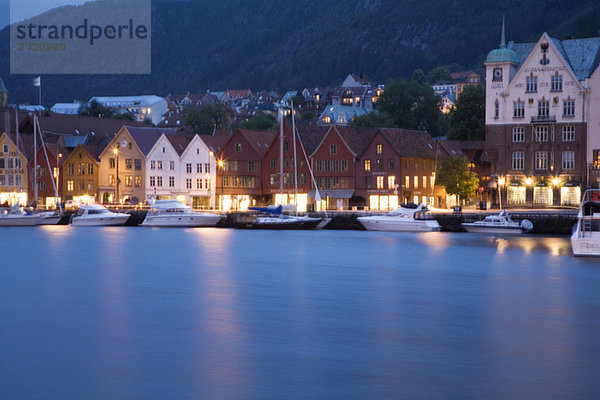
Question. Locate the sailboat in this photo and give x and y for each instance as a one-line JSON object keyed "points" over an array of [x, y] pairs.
{"points": [[272, 217]]}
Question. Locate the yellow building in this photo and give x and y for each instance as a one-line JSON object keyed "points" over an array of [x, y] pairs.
{"points": [[13, 173], [80, 176]]}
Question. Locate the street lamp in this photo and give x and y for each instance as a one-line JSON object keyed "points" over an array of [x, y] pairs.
{"points": [[221, 198], [58, 156], [116, 152], [209, 181]]}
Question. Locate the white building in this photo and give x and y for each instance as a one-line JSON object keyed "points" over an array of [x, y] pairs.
{"points": [[142, 108], [542, 124], [66, 108], [198, 174]]}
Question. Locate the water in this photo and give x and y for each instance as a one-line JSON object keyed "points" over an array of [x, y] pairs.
{"points": [[137, 313]]}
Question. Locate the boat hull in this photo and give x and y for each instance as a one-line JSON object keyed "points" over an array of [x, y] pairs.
{"points": [[291, 223], [193, 221], [398, 224], [110, 220], [585, 244], [493, 230], [25, 220]]}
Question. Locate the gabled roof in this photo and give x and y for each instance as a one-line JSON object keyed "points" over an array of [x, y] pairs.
{"points": [[259, 140], [179, 142], [311, 134], [215, 143], [357, 139], [146, 138], [409, 143], [82, 125]]}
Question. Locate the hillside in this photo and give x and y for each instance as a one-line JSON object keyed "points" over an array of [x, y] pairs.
{"points": [[282, 44]]}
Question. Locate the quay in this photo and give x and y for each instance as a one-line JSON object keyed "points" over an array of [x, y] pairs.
{"points": [[545, 222]]}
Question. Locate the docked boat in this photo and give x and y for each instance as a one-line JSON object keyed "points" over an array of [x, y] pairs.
{"points": [[48, 218], [174, 213], [404, 219], [97, 215], [585, 240], [498, 224], [17, 216], [273, 218]]}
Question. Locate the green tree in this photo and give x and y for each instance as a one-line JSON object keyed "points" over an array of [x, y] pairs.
{"points": [[456, 176], [439, 74], [307, 116], [374, 119], [419, 76], [260, 122], [411, 105], [467, 120], [207, 118], [95, 109]]}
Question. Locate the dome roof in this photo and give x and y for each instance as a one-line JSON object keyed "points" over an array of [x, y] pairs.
{"points": [[502, 55]]}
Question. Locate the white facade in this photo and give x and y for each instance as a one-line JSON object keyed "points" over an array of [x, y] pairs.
{"points": [[66, 108], [163, 180], [593, 118], [141, 107], [198, 174]]}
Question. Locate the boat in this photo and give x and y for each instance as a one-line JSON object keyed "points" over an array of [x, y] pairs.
{"points": [[17, 216], [48, 218], [273, 218], [498, 224], [403, 219], [174, 213], [97, 215], [585, 239]]}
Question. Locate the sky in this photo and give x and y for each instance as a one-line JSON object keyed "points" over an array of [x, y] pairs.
{"points": [[23, 9]]}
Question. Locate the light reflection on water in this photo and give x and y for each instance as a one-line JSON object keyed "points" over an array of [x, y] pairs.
{"points": [[217, 313]]}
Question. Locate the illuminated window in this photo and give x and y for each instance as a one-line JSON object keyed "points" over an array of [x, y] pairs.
{"points": [[70, 185], [367, 165], [391, 182], [138, 181], [406, 181], [152, 164], [238, 147], [541, 160], [424, 182], [379, 149], [111, 180], [380, 182], [128, 180], [416, 182]]}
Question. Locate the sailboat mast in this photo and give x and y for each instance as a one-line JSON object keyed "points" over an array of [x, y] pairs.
{"points": [[295, 158], [54, 183], [281, 155], [35, 191]]}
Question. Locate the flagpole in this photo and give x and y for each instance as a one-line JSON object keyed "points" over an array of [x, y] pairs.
{"points": [[40, 90]]}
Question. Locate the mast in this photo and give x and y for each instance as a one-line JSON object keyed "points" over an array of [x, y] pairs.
{"points": [[295, 160], [281, 155], [49, 168], [35, 191]]}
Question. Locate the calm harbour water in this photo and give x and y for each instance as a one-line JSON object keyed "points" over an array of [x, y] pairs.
{"points": [[138, 313]]}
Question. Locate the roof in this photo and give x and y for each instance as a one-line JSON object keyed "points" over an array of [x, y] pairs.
{"points": [[128, 101], [409, 143], [259, 140], [582, 55], [82, 125], [179, 142], [311, 134], [215, 143], [357, 138], [147, 137]]}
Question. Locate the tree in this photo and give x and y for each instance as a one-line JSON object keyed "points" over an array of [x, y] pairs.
{"points": [[411, 105], [440, 74], [419, 76], [456, 176], [95, 109], [307, 116], [374, 119], [208, 118], [467, 120], [260, 122]]}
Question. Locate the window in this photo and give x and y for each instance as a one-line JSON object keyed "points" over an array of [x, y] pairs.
{"points": [[238, 147], [568, 133], [272, 163], [541, 160], [138, 164], [81, 169], [111, 163], [90, 186], [568, 160], [2, 163], [336, 165], [207, 168], [71, 185], [518, 160], [367, 182], [286, 146], [152, 164], [556, 83], [518, 134], [111, 180], [541, 133], [333, 149], [17, 163], [188, 183], [302, 179], [198, 183], [42, 184], [543, 108], [251, 166], [2, 180], [90, 169], [11, 163], [70, 168], [128, 180], [152, 181], [531, 84], [344, 166], [273, 179], [172, 165], [81, 185], [327, 165], [406, 182], [164, 149], [128, 163], [496, 109], [159, 164], [379, 149], [415, 182], [518, 109], [391, 182], [11, 180], [207, 183], [198, 168], [6, 148], [159, 181], [569, 108], [424, 183], [171, 181], [379, 182], [367, 165], [188, 168], [42, 169], [138, 181]]}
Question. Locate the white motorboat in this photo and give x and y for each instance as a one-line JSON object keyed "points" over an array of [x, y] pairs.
{"points": [[403, 219], [174, 213], [97, 215], [48, 218], [585, 240], [498, 224], [273, 218], [17, 216]]}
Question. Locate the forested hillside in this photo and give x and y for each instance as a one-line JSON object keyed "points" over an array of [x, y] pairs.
{"points": [[283, 44]]}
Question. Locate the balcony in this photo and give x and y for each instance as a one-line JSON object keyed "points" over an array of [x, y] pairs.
{"points": [[540, 119]]}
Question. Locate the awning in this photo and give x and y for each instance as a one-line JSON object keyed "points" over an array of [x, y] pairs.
{"points": [[571, 184], [542, 184], [515, 183], [333, 193]]}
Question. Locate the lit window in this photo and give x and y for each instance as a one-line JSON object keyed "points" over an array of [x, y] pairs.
{"points": [[541, 160], [391, 182], [379, 149], [379, 182], [367, 165]]}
